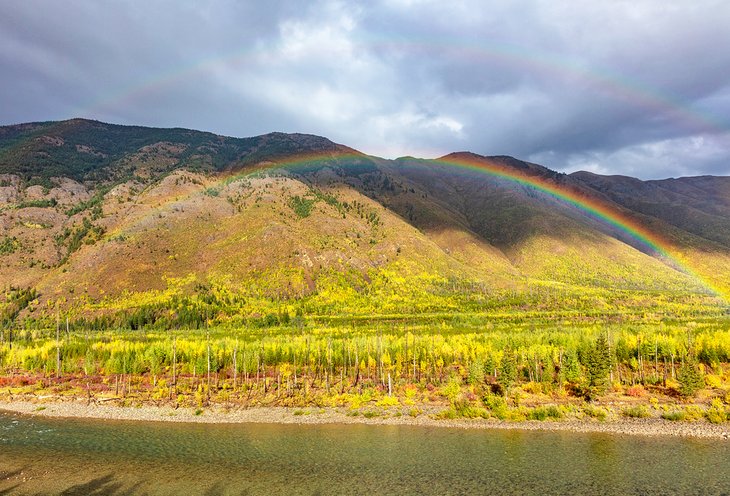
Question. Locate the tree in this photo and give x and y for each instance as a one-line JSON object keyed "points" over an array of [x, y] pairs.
{"points": [[476, 372], [571, 367], [507, 371], [690, 377], [599, 363]]}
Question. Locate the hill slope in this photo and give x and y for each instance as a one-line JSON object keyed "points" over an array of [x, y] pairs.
{"points": [[167, 224]]}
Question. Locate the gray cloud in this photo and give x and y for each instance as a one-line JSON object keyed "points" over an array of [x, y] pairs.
{"points": [[636, 88]]}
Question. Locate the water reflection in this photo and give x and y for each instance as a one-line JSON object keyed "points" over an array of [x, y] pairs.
{"points": [[52, 456]]}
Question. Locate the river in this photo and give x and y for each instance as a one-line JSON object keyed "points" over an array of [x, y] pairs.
{"points": [[79, 456]]}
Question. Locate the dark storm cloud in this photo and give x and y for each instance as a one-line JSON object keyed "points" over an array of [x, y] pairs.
{"points": [[636, 88]]}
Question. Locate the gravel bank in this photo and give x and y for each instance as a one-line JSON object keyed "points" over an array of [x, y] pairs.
{"points": [[279, 415]]}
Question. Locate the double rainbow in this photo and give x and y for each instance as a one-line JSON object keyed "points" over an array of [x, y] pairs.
{"points": [[541, 64]]}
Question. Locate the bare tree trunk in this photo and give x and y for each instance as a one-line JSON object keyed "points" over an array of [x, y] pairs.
{"points": [[208, 357], [357, 367], [58, 350], [235, 364], [174, 362], [173, 386]]}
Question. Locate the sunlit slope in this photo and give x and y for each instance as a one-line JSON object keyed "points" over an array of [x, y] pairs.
{"points": [[275, 237], [693, 212], [543, 239], [101, 217]]}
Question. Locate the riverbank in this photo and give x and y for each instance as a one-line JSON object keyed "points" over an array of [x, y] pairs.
{"points": [[428, 418]]}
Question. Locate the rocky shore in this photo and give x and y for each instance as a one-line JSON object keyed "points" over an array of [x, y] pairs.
{"points": [[314, 415]]}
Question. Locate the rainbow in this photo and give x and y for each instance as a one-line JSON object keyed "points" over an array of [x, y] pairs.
{"points": [[608, 214], [655, 244], [540, 64]]}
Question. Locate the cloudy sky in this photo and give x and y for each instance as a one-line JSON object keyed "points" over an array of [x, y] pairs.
{"points": [[617, 87]]}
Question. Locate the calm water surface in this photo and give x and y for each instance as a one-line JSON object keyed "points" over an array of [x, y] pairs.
{"points": [[58, 456]]}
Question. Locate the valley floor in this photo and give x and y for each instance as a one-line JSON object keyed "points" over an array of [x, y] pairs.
{"points": [[429, 417]]}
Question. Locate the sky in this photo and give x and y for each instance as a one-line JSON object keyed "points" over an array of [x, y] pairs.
{"points": [[640, 88]]}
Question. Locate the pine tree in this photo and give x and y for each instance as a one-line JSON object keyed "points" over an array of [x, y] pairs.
{"points": [[689, 376], [600, 361], [571, 367], [507, 370]]}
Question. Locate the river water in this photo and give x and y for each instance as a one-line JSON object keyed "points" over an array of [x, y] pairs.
{"points": [[60, 456]]}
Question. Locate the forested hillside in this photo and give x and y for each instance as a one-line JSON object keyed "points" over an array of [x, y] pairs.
{"points": [[133, 226]]}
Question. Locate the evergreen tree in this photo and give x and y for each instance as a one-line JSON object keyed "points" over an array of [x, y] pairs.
{"points": [[599, 363], [571, 367], [507, 370], [476, 372], [689, 376]]}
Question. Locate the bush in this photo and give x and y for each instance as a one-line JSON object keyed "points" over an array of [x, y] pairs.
{"points": [[636, 391], [596, 412], [497, 406], [713, 380], [552, 412], [302, 206], [387, 401], [692, 413], [532, 387], [674, 415], [8, 245], [452, 390], [716, 414], [639, 411], [463, 409]]}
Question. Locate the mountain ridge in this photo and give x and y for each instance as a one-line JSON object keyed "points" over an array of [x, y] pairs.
{"points": [[149, 214]]}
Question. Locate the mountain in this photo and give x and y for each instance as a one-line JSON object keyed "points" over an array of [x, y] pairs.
{"points": [[111, 222]]}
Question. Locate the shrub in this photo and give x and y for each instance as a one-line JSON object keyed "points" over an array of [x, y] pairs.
{"points": [[674, 415], [545, 412], [463, 409], [532, 388], [692, 413], [302, 206], [387, 401], [636, 391], [497, 406], [716, 414], [8, 245], [452, 390], [596, 412], [713, 380], [517, 414], [638, 411]]}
